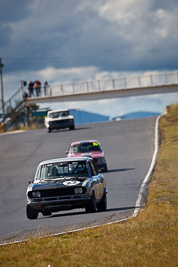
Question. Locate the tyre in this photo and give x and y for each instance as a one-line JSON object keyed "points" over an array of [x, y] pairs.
{"points": [[31, 213], [46, 212], [72, 127], [48, 130], [91, 205], [102, 205], [106, 168]]}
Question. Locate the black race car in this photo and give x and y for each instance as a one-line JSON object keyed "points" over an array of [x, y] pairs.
{"points": [[65, 184]]}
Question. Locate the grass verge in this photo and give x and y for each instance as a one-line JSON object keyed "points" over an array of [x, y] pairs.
{"points": [[150, 239]]}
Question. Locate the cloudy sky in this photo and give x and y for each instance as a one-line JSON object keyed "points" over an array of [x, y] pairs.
{"points": [[78, 40]]}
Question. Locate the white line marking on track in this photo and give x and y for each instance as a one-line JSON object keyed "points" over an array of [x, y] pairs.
{"points": [[138, 202]]}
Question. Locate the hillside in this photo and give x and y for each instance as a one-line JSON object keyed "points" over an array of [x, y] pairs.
{"points": [[141, 114], [84, 117]]}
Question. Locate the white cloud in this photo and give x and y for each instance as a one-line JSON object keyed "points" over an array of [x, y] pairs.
{"points": [[124, 12], [166, 22], [74, 40], [67, 75]]}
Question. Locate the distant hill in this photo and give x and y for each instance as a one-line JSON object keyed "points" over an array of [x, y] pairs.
{"points": [[141, 114], [82, 117]]}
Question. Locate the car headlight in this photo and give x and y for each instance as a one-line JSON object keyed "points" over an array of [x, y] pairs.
{"points": [[36, 194], [78, 190]]}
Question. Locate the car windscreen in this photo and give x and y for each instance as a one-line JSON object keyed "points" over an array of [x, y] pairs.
{"points": [[62, 170], [54, 115], [85, 147]]}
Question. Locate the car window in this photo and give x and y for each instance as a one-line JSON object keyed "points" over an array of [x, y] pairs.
{"points": [[86, 147], [54, 115], [94, 169], [58, 114], [64, 113], [75, 149], [62, 169]]}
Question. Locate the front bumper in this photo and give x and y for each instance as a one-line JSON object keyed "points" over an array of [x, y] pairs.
{"points": [[60, 124], [58, 203]]}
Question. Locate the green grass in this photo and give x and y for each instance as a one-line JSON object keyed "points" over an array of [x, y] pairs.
{"points": [[150, 239]]}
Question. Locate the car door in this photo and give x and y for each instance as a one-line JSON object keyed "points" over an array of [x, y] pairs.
{"points": [[95, 180], [100, 181]]}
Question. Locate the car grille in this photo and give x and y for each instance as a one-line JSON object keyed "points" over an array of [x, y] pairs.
{"points": [[56, 192], [59, 122]]}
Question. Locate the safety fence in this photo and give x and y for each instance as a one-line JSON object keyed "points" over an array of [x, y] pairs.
{"points": [[130, 82], [113, 84]]}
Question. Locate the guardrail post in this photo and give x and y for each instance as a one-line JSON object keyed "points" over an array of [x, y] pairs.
{"points": [[98, 85], [113, 84], [87, 85], [151, 79], [139, 81], [166, 78], [62, 89], [73, 87], [125, 82]]}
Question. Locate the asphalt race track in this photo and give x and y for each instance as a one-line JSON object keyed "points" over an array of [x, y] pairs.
{"points": [[128, 146]]}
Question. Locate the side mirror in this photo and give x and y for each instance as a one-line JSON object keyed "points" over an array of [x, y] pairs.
{"points": [[67, 152], [30, 181]]}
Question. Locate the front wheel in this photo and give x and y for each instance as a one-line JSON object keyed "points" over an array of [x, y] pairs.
{"points": [[91, 205], [46, 212], [106, 168], [102, 205], [31, 213], [72, 127]]}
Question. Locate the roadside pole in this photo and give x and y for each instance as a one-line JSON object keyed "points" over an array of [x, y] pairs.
{"points": [[2, 92]]}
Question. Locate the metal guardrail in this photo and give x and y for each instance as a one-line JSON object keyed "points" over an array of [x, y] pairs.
{"points": [[112, 84]]}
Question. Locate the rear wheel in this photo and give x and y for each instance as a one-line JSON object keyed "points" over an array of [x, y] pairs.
{"points": [[91, 205], [31, 213], [48, 130]]}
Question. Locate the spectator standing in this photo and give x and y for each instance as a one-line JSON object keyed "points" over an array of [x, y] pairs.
{"points": [[30, 89], [46, 88], [38, 88], [35, 87]]}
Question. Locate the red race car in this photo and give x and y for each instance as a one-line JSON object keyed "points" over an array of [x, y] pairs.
{"points": [[89, 148]]}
